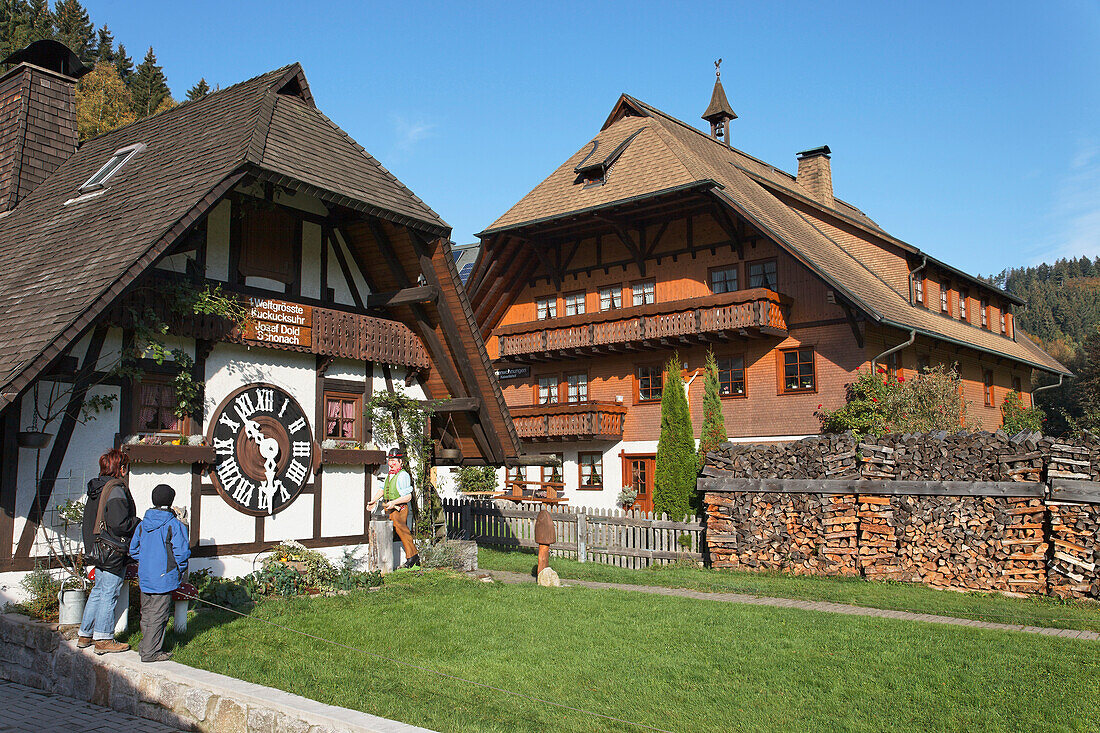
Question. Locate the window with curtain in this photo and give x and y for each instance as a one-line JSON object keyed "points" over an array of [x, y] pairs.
{"points": [[648, 382], [723, 279], [343, 416], [547, 307], [763, 274], [644, 293], [611, 298], [798, 370], [548, 390], [574, 304], [591, 470], [156, 407], [731, 376], [578, 387], [552, 474]]}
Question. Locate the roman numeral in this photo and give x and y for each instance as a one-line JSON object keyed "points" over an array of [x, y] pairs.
{"points": [[243, 405], [284, 495], [223, 447], [283, 408], [242, 492], [301, 449], [228, 472], [229, 422], [265, 399], [297, 425], [296, 472]]}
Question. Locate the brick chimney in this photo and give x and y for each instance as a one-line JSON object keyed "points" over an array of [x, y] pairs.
{"points": [[815, 174], [37, 117]]}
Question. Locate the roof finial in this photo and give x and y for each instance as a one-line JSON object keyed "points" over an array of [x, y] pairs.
{"points": [[717, 69], [719, 113]]}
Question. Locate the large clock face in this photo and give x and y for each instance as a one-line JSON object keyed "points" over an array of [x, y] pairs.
{"points": [[263, 449]]}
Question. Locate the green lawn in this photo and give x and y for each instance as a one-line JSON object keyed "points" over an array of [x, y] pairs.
{"points": [[994, 607], [672, 663]]}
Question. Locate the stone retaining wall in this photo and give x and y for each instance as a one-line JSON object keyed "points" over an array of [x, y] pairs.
{"points": [[36, 655]]}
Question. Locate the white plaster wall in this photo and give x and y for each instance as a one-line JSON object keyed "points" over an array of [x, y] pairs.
{"points": [[348, 369], [221, 524], [217, 242], [266, 283], [295, 199], [144, 477], [340, 288], [353, 266], [343, 497], [293, 523], [176, 262], [311, 260]]}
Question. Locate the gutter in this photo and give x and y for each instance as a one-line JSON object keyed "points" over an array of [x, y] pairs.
{"points": [[1061, 377], [912, 280], [894, 350]]}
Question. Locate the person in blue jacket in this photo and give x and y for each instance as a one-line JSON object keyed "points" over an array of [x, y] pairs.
{"points": [[161, 548]]}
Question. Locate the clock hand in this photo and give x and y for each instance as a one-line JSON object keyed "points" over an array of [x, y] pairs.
{"points": [[252, 430], [269, 450]]}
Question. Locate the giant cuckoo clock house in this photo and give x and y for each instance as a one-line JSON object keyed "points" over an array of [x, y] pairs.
{"points": [[296, 278]]}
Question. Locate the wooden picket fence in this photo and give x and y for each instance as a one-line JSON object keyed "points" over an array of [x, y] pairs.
{"points": [[628, 539]]}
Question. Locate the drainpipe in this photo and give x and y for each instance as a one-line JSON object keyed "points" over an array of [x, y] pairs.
{"points": [[1048, 386], [923, 264], [888, 352]]}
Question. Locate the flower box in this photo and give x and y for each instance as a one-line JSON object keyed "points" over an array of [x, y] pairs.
{"points": [[352, 457], [144, 453]]}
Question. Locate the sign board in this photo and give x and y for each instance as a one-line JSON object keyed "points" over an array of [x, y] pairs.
{"points": [[513, 372], [279, 322]]}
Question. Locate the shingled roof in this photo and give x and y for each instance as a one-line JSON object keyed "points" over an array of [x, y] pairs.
{"points": [[67, 256], [666, 154]]}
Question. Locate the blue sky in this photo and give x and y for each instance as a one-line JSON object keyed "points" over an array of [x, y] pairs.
{"points": [[969, 129]]}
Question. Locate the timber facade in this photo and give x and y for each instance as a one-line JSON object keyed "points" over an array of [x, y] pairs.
{"points": [[347, 276], [656, 238]]}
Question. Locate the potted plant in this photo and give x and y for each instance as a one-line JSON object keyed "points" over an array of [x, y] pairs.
{"points": [[168, 449], [350, 453]]}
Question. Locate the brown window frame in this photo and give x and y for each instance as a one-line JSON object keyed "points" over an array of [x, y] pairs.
{"points": [[613, 289], [357, 420], [735, 268], [514, 473], [581, 485], [537, 387], [753, 263], [964, 296], [638, 400], [945, 297], [161, 380], [551, 302], [781, 370], [575, 294], [988, 388], [919, 291], [565, 384], [983, 310], [560, 469], [267, 243], [744, 383], [643, 283]]}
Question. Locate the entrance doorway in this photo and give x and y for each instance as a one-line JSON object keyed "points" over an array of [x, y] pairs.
{"points": [[638, 473]]}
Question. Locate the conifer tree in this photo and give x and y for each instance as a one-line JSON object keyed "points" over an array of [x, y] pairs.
{"points": [[74, 28], [200, 90], [102, 102], [677, 465], [713, 433], [148, 87], [40, 21], [124, 65], [105, 47], [15, 25]]}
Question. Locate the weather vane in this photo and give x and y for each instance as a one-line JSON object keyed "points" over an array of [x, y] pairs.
{"points": [[717, 70]]}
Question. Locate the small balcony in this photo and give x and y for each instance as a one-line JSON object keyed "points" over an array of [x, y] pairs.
{"points": [[569, 421], [744, 313]]}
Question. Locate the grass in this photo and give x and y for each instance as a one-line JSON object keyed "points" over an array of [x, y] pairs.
{"points": [[894, 596], [672, 663]]}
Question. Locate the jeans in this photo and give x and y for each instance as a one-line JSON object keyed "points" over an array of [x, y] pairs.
{"points": [[99, 611]]}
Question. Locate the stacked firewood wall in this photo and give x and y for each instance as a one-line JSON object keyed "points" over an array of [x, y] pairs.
{"points": [[916, 529]]}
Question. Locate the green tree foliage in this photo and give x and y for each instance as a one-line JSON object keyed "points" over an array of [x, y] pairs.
{"points": [[713, 432], [102, 102], [124, 65], [677, 463], [878, 404], [105, 46], [200, 90], [477, 478], [148, 87], [15, 25], [1015, 417], [75, 29], [40, 21]]}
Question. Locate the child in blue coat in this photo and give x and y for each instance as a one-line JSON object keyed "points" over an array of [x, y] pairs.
{"points": [[161, 549]]}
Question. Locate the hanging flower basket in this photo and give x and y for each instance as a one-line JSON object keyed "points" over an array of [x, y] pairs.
{"points": [[449, 454], [33, 439]]}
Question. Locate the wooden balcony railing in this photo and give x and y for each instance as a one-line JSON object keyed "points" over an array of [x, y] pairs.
{"points": [[570, 421], [747, 313]]}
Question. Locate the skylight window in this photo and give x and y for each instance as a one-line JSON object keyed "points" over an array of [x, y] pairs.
{"points": [[111, 167]]}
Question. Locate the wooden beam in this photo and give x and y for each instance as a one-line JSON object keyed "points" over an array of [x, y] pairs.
{"points": [[714, 480], [405, 296], [338, 250], [61, 441], [628, 241], [9, 475]]}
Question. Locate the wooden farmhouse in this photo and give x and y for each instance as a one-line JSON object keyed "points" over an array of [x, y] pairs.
{"points": [[347, 274], [657, 238]]}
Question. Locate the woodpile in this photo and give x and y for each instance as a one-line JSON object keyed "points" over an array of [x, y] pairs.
{"points": [[1070, 462], [770, 532], [878, 542], [841, 535], [819, 456], [1075, 536], [944, 456]]}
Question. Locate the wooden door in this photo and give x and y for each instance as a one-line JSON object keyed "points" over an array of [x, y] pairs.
{"points": [[638, 473]]}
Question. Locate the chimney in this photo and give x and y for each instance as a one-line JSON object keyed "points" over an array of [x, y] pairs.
{"points": [[37, 117], [719, 114], [815, 174]]}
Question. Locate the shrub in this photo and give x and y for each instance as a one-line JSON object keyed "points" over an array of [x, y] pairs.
{"points": [[627, 496], [227, 592], [677, 463], [713, 432], [1015, 417], [42, 589], [477, 478]]}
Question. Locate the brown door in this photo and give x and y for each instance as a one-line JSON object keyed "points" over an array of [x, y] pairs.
{"points": [[638, 473]]}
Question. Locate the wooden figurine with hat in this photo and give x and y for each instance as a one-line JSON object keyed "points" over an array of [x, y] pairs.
{"points": [[397, 494]]}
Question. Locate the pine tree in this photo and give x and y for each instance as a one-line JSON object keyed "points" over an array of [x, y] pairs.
{"points": [[105, 47], [200, 90], [102, 102], [124, 65], [74, 28], [15, 25], [148, 87], [677, 465], [40, 21], [713, 433]]}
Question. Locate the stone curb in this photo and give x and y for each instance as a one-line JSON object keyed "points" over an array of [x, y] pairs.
{"points": [[34, 654]]}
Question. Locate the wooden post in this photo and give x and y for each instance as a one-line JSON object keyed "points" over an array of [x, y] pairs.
{"points": [[582, 537], [467, 522], [544, 537]]}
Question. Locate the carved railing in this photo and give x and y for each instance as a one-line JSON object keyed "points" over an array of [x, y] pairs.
{"points": [[754, 312], [570, 421]]}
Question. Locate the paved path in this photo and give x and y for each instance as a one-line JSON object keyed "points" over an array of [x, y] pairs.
{"points": [[28, 710], [510, 577]]}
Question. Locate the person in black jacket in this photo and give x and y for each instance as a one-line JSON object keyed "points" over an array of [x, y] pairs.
{"points": [[105, 548]]}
